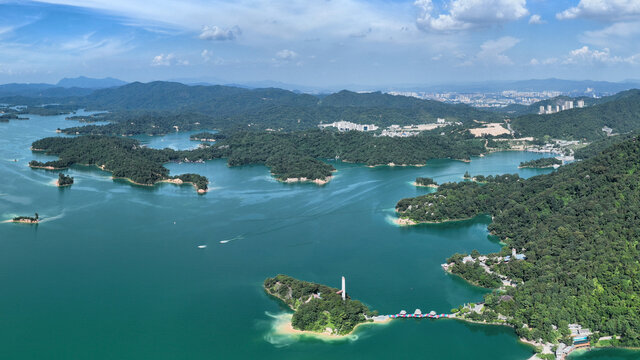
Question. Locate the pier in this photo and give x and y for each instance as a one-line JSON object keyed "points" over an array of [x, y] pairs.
{"points": [[417, 314]]}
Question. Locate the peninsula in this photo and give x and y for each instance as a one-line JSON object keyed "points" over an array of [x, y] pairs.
{"points": [[543, 163], [545, 288], [318, 308]]}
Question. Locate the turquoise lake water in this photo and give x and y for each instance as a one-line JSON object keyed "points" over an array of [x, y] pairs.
{"points": [[114, 270]]}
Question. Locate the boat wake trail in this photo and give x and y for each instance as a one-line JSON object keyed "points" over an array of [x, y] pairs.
{"points": [[239, 237]]}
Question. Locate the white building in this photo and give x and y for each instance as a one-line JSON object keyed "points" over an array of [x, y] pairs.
{"points": [[580, 103], [348, 126]]}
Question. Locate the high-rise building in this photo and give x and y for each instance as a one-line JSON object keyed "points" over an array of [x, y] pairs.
{"points": [[344, 289], [580, 103], [541, 109]]}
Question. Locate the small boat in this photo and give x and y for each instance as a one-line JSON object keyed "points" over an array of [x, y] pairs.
{"points": [[202, 246]]}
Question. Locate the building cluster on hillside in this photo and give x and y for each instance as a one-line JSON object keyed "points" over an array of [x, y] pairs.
{"points": [[348, 126], [567, 105], [514, 256], [392, 130]]}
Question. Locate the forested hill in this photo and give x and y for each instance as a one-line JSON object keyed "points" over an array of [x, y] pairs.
{"points": [[580, 230], [317, 307], [227, 107], [288, 155], [621, 112]]}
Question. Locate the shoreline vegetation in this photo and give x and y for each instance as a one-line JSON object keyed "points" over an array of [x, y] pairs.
{"points": [[319, 310], [63, 180], [26, 219], [304, 179], [542, 163], [544, 223], [425, 182]]}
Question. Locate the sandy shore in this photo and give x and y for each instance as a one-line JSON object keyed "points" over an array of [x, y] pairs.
{"points": [[283, 327], [56, 183], [434, 186], [404, 222], [45, 167], [304, 179], [409, 222], [21, 221], [171, 181]]}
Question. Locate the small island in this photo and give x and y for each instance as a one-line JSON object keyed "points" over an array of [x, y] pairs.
{"points": [[64, 180], [425, 182], [541, 163], [206, 136], [318, 309], [26, 219]]}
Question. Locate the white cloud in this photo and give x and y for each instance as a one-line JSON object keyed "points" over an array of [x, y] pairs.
{"points": [[168, 60], [468, 14], [536, 20], [620, 35], [163, 60], [264, 20], [206, 55], [219, 34], [548, 61], [286, 55], [587, 55], [492, 51], [607, 10], [89, 46]]}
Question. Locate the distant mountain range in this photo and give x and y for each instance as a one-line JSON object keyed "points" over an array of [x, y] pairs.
{"points": [[66, 87], [90, 83], [80, 86]]}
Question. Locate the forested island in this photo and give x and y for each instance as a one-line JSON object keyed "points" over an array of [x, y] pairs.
{"points": [[426, 181], [542, 163], [318, 308], [124, 158], [291, 157], [27, 219], [575, 232], [64, 180]]}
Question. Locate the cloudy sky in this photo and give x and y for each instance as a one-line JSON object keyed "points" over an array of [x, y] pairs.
{"points": [[320, 42]]}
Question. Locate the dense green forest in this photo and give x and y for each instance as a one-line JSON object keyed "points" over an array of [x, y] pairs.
{"points": [[64, 180], [580, 230], [316, 313], [124, 158], [162, 107], [541, 163], [288, 155], [425, 181], [622, 114], [156, 107], [473, 272], [599, 146], [207, 136]]}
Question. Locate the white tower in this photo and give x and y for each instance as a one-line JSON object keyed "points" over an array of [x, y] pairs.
{"points": [[344, 289]]}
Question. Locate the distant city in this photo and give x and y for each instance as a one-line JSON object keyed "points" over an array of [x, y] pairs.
{"points": [[491, 99]]}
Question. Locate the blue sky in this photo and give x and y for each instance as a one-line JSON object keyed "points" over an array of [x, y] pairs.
{"points": [[320, 42]]}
